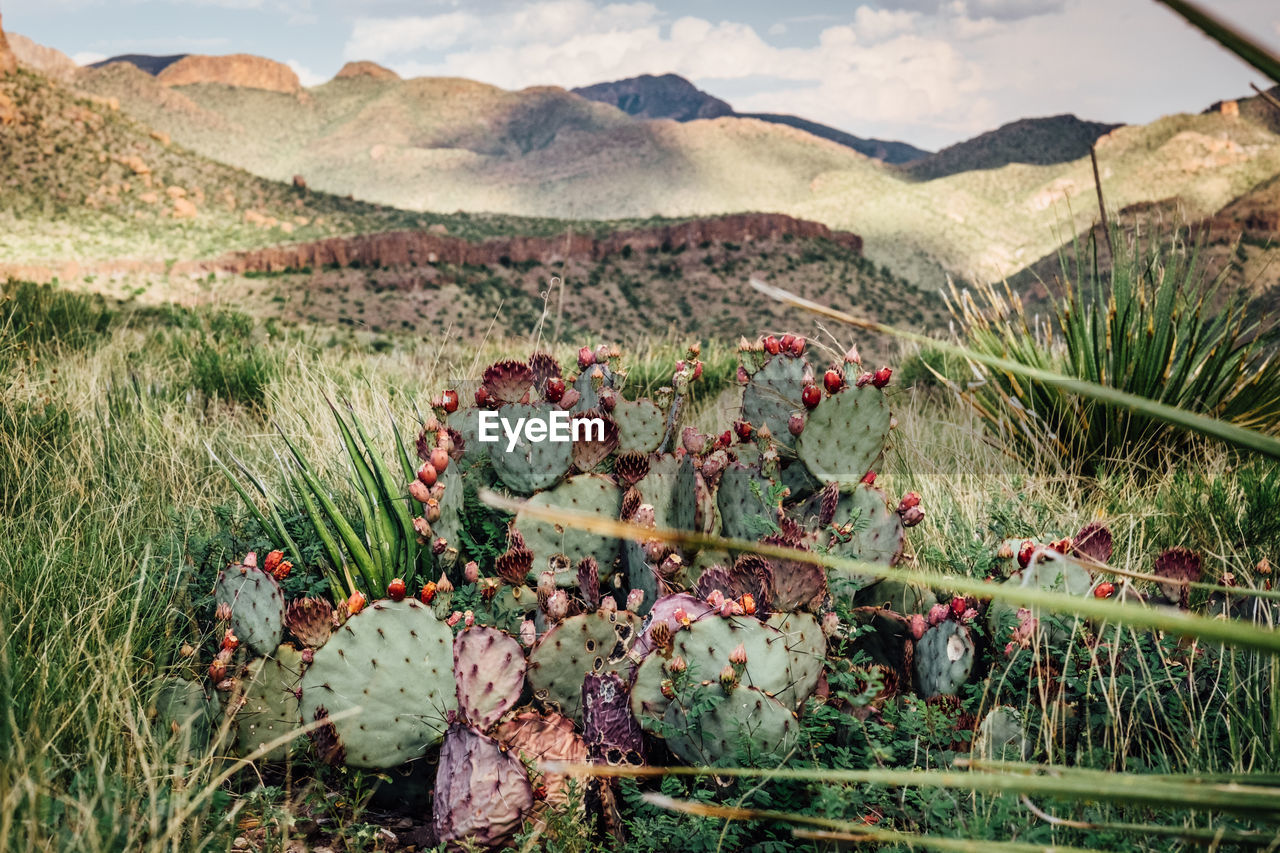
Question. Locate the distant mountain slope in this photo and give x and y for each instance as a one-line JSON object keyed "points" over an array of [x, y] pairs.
{"points": [[48, 61], [149, 64], [1034, 141], [672, 96]]}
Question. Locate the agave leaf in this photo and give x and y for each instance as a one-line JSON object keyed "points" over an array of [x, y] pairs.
{"points": [[379, 531], [321, 529], [281, 532], [401, 539], [1239, 43]]}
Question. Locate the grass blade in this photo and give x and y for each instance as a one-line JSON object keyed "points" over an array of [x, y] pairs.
{"points": [[1227, 35]]}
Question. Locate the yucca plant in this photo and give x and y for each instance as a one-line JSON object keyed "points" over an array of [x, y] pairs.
{"points": [[363, 553], [1154, 325]]}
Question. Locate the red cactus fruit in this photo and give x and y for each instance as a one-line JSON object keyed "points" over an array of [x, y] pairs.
{"points": [[786, 341], [230, 641], [881, 377], [909, 500], [1026, 552], [428, 474], [797, 346], [272, 561], [1062, 546], [725, 439], [419, 492], [439, 459], [450, 399], [428, 593], [1106, 589], [396, 589], [811, 396], [833, 380], [483, 397], [795, 423], [554, 390], [217, 670], [743, 430], [355, 603], [869, 478], [586, 358], [772, 346], [864, 379], [912, 516]]}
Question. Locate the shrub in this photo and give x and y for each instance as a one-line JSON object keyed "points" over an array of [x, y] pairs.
{"points": [[1154, 325]]}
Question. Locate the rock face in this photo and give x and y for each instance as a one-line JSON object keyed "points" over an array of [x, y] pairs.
{"points": [[8, 62], [366, 69], [667, 96], [422, 248], [53, 64], [238, 69]]}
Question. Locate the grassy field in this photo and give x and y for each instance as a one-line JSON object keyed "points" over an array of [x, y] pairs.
{"points": [[115, 521]]}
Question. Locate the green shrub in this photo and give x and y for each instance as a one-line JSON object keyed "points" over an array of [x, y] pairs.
{"points": [[1154, 326], [35, 314]]}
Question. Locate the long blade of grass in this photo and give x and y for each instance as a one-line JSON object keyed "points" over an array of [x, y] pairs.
{"points": [[379, 528], [854, 831], [321, 529], [281, 531], [1222, 430], [1227, 35], [1230, 632], [1062, 783], [399, 530]]}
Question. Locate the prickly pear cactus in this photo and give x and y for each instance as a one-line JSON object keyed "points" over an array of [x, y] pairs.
{"points": [[611, 733], [394, 662], [861, 527], [269, 688], [1001, 736], [845, 435], [310, 620], [806, 647], [593, 493], [530, 465], [641, 425], [900, 597], [671, 489], [944, 659], [257, 606], [183, 713], [595, 643], [743, 500], [449, 526], [482, 791], [536, 738], [488, 667], [746, 720], [772, 395]]}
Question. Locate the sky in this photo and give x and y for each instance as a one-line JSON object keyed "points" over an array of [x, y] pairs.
{"points": [[929, 72]]}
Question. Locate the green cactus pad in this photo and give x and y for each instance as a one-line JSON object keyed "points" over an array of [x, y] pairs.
{"points": [[257, 606], [449, 525], [671, 488], [889, 643], [588, 643], [1001, 736], [482, 790], [705, 646], [746, 720], [270, 709], [944, 659], [488, 668], [863, 528], [393, 661], [510, 606], [641, 425], [806, 653], [594, 493], [773, 394], [845, 435], [1049, 571], [530, 465], [590, 398], [184, 714], [743, 500], [900, 597]]}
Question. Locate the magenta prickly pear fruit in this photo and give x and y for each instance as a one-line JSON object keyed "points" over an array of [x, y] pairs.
{"points": [[833, 380], [909, 500], [864, 379], [881, 377], [608, 399], [743, 430], [811, 396], [570, 398], [483, 397], [558, 606], [912, 516], [554, 390], [308, 656], [772, 345], [586, 358], [869, 478], [787, 341], [795, 423], [634, 599], [471, 571], [439, 459], [450, 399], [830, 624], [419, 491], [797, 346], [743, 376], [427, 474]]}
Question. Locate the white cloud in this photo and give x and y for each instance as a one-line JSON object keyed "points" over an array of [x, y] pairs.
{"points": [[87, 57], [305, 75], [874, 25]]}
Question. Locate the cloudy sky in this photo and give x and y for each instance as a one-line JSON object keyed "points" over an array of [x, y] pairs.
{"points": [[930, 72]]}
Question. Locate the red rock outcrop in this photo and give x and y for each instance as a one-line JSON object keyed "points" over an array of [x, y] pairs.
{"points": [[421, 248], [237, 69], [366, 69], [8, 62]]}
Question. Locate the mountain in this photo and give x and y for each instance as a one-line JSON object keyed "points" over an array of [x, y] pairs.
{"points": [[1035, 141], [149, 64], [672, 96], [50, 62]]}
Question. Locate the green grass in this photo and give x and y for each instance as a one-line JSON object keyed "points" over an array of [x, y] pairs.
{"points": [[115, 522]]}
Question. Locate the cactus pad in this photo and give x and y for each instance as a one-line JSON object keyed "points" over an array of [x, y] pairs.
{"points": [[482, 791], [745, 718], [488, 667], [944, 659], [184, 714], [257, 606], [449, 526], [641, 425], [270, 708], [530, 465], [845, 435], [310, 620], [393, 661], [772, 396], [536, 738], [671, 489], [900, 597], [1000, 736], [594, 493], [806, 654], [588, 643], [743, 500], [612, 735]]}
